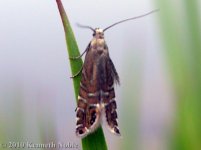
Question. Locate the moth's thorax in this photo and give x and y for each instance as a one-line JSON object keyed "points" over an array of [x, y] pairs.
{"points": [[98, 46], [98, 43]]}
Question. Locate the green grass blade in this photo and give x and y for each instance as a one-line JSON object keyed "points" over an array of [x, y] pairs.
{"points": [[71, 47], [180, 30], [95, 141]]}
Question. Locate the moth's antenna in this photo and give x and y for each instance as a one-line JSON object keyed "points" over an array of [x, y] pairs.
{"points": [[86, 27], [133, 18]]}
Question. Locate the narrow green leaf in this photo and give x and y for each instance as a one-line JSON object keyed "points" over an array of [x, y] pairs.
{"points": [[96, 140], [71, 47]]}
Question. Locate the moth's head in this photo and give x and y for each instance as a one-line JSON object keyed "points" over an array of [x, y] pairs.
{"points": [[98, 33]]}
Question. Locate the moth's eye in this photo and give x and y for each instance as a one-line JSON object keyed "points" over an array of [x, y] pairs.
{"points": [[94, 34]]}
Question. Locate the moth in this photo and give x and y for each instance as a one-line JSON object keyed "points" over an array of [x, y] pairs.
{"points": [[98, 75]]}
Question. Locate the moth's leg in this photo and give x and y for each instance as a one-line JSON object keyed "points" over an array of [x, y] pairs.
{"points": [[77, 73], [78, 57]]}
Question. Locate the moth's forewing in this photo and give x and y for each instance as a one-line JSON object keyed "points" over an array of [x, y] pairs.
{"points": [[110, 103]]}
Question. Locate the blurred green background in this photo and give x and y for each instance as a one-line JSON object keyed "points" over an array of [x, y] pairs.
{"points": [[157, 58], [180, 30]]}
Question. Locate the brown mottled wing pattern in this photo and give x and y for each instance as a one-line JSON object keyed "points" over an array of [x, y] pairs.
{"points": [[97, 92], [109, 101]]}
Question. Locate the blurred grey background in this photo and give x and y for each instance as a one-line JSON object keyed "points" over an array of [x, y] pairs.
{"points": [[37, 100]]}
